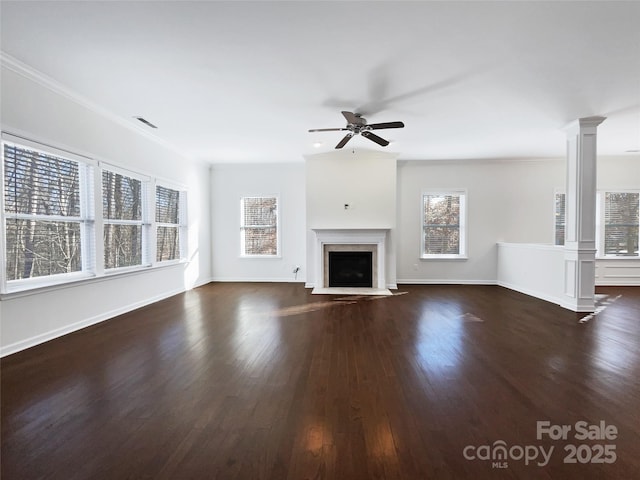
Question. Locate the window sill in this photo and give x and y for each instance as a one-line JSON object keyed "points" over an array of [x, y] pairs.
{"points": [[633, 258], [444, 257], [259, 256], [34, 288]]}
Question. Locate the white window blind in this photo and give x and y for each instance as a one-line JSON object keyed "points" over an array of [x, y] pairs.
{"points": [[616, 223], [46, 219], [443, 224], [169, 223], [560, 218], [621, 220], [259, 226], [124, 229]]}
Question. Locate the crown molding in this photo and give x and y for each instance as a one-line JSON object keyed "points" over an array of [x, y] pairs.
{"points": [[13, 64]]}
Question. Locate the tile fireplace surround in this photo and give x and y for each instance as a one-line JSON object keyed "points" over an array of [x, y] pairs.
{"points": [[346, 239]]}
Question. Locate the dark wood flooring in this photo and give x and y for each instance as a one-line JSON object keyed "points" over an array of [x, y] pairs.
{"points": [[266, 381]]}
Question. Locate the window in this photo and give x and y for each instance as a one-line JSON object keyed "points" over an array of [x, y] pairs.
{"points": [[443, 225], [621, 219], [259, 226], [47, 228], [169, 224], [617, 219], [124, 229], [560, 220], [57, 207]]}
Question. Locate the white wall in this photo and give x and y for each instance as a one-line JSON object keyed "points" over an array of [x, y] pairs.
{"points": [[533, 269], [363, 179], [508, 201], [38, 110], [229, 183]]}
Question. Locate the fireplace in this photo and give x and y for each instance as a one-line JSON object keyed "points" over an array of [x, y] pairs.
{"points": [[352, 247], [351, 269]]}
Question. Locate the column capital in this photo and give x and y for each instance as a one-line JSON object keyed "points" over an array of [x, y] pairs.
{"points": [[584, 123]]}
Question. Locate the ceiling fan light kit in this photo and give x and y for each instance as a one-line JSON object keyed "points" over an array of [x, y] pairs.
{"points": [[357, 125]]}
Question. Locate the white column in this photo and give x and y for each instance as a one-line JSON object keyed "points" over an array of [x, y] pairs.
{"points": [[580, 230]]}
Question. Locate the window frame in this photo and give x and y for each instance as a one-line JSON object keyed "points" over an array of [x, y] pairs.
{"points": [[86, 220], [92, 226], [556, 193], [181, 225], [601, 225], [144, 222], [600, 222], [241, 243], [462, 226]]}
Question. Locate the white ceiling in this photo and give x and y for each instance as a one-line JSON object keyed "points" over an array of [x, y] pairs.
{"points": [[244, 81]]}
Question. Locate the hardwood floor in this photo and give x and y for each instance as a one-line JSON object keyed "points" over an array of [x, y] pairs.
{"points": [[266, 381]]}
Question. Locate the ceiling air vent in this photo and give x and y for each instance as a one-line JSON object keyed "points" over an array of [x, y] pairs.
{"points": [[146, 122]]}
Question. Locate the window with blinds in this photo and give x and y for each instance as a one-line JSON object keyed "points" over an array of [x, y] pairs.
{"points": [[45, 218], [122, 212], [621, 220], [443, 225], [168, 223], [53, 223], [616, 223], [560, 220], [259, 226]]}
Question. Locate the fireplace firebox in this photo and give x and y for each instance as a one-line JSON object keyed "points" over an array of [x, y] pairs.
{"points": [[350, 269]]}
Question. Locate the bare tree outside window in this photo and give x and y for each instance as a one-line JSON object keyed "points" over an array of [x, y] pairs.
{"points": [[42, 213], [560, 218], [621, 220], [259, 227], [122, 213], [168, 224], [442, 213]]}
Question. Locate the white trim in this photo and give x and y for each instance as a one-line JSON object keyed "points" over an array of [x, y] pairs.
{"points": [[349, 236], [124, 172], [16, 66], [255, 280], [182, 224], [59, 332], [92, 220], [278, 253], [85, 220], [82, 280], [45, 148], [443, 281], [534, 293], [462, 228], [438, 258], [351, 291]]}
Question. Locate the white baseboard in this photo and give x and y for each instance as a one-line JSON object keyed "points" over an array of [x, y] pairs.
{"points": [[256, 280], [534, 293], [59, 332], [447, 281]]}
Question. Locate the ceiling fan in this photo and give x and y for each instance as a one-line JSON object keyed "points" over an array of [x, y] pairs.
{"points": [[357, 124]]}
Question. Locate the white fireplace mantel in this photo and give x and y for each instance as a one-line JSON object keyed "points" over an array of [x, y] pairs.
{"points": [[351, 236]]}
